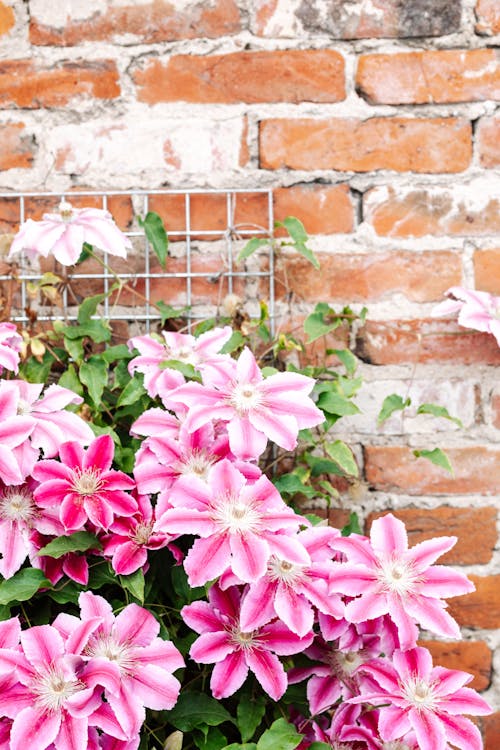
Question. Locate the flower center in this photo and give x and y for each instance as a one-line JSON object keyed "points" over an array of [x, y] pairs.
{"points": [[244, 641], [23, 408], [142, 533], [52, 689], [17, 505], [234, 515], [66, 210], [420, 694], [197, 463], [245, 397], [398, 577], [86, 481], [284, 571], [107, 647]]}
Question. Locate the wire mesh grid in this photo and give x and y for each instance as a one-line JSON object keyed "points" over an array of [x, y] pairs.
{"points": [[206, 229]]}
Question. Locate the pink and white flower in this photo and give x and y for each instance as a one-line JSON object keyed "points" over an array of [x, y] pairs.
{"points": [[182, 347], [387, 578], [17, 515], [241, 524], [84, 487], [236, 651], [10, 346], [255, 408], [428, 701], [477, 310], [63, 234]]}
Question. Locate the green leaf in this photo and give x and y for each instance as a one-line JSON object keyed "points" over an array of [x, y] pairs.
{"points": [[211, 738], [184, 367], [69, 592], [251, 246], [155, 232], [333, 403], [114, 353], [319, 746], [234, 343], [391, 404], [134, 583], [69, 379], [192, 710], [23, 585], [290, 484], [97, 330], [280, 735], [132, 392], [237, 746], [87, 251], [80, 541], [74, 348], [249, 714], [94, 374], [167, 311], [315, 326], [348, 360], [89, 306], [320, 465], [437, 457], [342, 455], [297, 232], [438, 411], [353, 526], [35, 371]]}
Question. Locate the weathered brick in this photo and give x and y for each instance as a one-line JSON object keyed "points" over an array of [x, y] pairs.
{"points": [[155, 147], [323, 209], [26, 84], [7, 18], [357, 20], [491, 731], [133, 21], [430, 76], [495, 408], [402, 144], [462, 210], [488, 19], [421, 277], [487, 270], [263, 76], [481, 609], [475, 529], [394, 468], [467, 656], [488, 142], [16, 148], [429, 340]]}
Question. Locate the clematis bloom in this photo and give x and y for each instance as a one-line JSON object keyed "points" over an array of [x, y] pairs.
{"points": [[477, 310], [10, 346]]}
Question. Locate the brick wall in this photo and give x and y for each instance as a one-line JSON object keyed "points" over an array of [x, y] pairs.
{"points": [[376, 122]]}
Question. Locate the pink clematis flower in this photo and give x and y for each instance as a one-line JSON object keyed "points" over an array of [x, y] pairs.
{"points": [[181, 347], [126, 657], [240, 524], [417, 697], [10, 346], [477, 310], [18, 513], [393, 580], [234, 650], [255, 408], [84, 486], [50, 703], [64, 233]]}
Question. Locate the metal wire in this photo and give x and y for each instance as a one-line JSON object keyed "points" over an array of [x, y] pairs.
{"points": [[212, 247]]}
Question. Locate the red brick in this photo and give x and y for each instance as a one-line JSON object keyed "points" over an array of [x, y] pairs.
{"points": [[26, 84], [16, 148], [467, 656], [491, 731], [359, 20], [263, 76], [495, 408], [481, 609], [488, 21], [475, 529], [421, 277], [323, 209], [462, 210], [394, 468], [158, 21], [398, 341], [440, 144], [488, 142], [430, 76], [7, 18], [487, 270]]}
